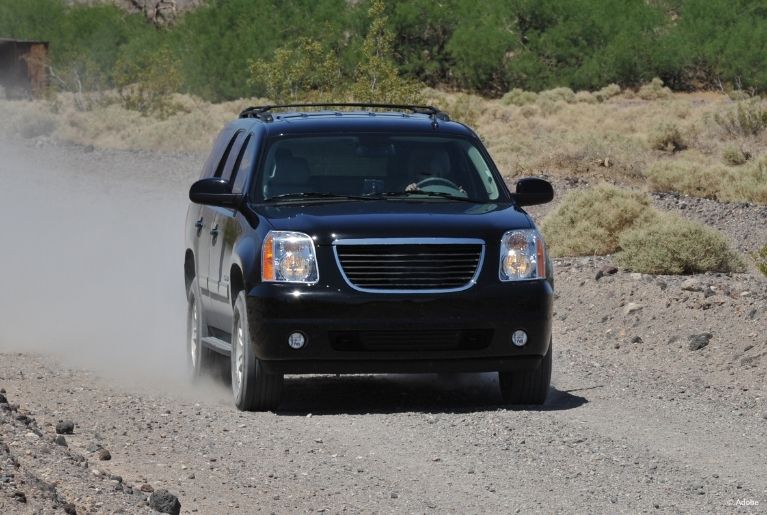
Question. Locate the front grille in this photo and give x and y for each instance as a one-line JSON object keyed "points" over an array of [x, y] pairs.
{"points": [[413, 266], [418, 340]]}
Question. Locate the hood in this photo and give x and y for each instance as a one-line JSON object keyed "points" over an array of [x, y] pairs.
{"points": [[329, 221]]}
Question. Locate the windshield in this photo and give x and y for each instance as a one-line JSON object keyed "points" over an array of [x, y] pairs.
{"points": [[369, 166]]}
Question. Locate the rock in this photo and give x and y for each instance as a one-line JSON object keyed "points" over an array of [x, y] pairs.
{"points": [[605, 270], [3, 399], [692, 284], [637, 339], [65, 427], [60, 440], [20, 496], [104, 455], [165, 502], [632, 307], [70, 509], [662, 285], [698, 341], [146, 487], [93, 447], [636, 276]]}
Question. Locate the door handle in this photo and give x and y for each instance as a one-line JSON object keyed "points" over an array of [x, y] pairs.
{"points": [[214, 231], [198, 224]]}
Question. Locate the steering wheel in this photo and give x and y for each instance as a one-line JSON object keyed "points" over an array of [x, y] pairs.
{"points": [[437, 181]]}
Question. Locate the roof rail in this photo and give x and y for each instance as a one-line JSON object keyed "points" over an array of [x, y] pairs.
{"points": [[264, 113]]}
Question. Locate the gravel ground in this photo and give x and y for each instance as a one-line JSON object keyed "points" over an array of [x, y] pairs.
{"points": [[657, 404]]}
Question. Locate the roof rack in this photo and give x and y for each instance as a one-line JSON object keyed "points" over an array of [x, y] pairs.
{"points": [[264, 113]]}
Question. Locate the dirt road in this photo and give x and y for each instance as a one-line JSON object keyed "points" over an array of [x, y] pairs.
{"points": [[91, 330]]}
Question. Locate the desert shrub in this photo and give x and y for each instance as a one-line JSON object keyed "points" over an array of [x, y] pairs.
{"points": [[296, 71], [760, 257], [673, 245], [377, 78], [519, 97], [591, 221], [654, 90], [747, 118], [557, 95], [739, 95], [608, 92], [734, 156], [667, 137], [746, 183], [146, 83], [585, 97], [684, 177]]}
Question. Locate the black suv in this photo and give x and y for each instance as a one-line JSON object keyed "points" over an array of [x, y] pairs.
{"points": [[378, 240]]}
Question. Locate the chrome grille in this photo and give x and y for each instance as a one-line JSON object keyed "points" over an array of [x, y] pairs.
{"points": [[410, 265]]}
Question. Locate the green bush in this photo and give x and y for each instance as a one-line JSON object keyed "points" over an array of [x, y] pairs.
{"points": [[672, 245], [654, 90], [591, 221], [147, 84]]}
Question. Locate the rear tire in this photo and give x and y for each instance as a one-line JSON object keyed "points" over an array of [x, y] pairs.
{"points": [[199, 359], [527, 387], [253, 388]]}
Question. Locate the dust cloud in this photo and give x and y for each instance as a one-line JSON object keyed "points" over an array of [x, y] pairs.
{"points": [[91, 264]]}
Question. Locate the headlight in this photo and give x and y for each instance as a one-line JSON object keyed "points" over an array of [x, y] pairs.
{"points": [[523, 256], [288, 257]]}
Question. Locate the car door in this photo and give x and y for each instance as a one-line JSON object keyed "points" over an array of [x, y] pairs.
{"points": [[205, 221], [223, 234]]}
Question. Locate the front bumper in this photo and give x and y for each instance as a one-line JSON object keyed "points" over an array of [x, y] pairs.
{"points": [[346, 330]]}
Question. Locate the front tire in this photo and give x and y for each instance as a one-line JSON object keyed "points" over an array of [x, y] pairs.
{"points": [[527, 387], [253, 388]]}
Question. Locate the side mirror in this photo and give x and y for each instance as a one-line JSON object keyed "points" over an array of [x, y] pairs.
{"points": [[532, 191], [214, 191]]}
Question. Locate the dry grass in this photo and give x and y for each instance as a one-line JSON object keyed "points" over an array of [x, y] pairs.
{"points": [[673, 245], [609, 134], [605, 220], [591, 221]]}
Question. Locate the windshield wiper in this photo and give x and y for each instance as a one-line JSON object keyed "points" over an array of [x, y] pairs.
{"points": [[393, 194], [314, 195]]}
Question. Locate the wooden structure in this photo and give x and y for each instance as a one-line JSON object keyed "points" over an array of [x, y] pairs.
{"points": [[23, 67]]}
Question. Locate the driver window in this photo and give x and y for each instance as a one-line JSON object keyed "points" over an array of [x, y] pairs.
{"points": [[484, 173]]}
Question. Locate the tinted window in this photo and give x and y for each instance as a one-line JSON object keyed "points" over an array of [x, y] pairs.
{"points": [[246, 158], [371, 164], [223, 141], [225, 156], [231, 156]]}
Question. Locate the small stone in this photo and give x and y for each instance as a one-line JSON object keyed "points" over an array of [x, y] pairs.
{"points": [[165, 502], [692, 284], [394, 495], [69, 509], [605, 270], [699, 341], [20, 496], [60, 440], [104, 455], [662, 285], [93, 447], [146, 487], [637, 339], [65, 427], [632, 307], [318, 440], [3, 399], [752, 314]]}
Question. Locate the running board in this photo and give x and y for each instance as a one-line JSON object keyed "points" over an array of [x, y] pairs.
{"points": [[217, 345]]}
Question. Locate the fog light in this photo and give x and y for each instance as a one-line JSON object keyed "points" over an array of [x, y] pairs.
{"points": [[296, 340], [519, 338]]}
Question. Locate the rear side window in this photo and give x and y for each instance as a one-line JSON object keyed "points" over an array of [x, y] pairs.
{"points": [[223, 141], [245, 164], [225, 157]]}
